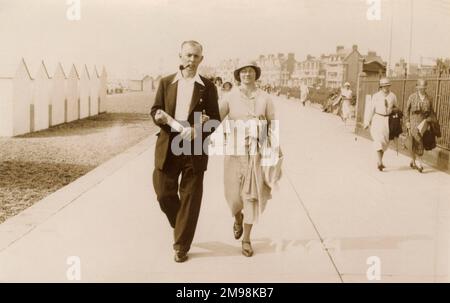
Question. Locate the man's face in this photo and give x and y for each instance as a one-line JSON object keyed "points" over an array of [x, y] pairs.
{"points": [[191, 55]]}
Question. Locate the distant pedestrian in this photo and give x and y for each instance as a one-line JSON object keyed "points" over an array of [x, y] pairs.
{"points": [[383, 103], [227, 86], [346, 102], [330, 106], [304, 93], [218, 83]]}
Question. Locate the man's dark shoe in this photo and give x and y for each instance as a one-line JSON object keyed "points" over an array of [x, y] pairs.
{"points": [[180, 256]]}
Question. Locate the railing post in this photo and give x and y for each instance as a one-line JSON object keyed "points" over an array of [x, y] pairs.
{"points": [[437, 93], [403, 93], [361, 77]]}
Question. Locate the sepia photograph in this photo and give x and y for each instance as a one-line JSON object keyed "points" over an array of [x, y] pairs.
{"points": [[224, 141]]}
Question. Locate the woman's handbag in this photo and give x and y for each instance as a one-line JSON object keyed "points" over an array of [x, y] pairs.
{"points": [[271, 158], [271, 164], [269, 151], [429, 140], [395, 124]]}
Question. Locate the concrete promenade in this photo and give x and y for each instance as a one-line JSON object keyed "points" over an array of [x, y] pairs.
{"points": [[334, 217]]}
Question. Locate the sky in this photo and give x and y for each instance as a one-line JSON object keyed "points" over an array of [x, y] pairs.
{"points": [[134, 37]]}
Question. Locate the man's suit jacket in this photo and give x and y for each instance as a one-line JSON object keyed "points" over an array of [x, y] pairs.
{"points": [[203, 98]]}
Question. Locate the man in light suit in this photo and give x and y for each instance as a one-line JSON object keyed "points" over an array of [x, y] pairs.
{"points": [[182, 96]]}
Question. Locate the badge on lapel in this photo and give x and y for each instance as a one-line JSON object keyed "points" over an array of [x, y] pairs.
{"points": [[201, 95]]}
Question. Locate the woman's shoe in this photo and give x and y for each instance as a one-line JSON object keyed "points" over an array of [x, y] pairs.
{"points": [[247, 249], [380, 167], [238, 228], [413, 165], [420, 169]]}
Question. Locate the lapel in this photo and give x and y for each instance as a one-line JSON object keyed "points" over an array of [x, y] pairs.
{"points": [[172, 98], [197, 96]]}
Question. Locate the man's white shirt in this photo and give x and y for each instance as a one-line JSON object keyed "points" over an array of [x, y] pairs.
{"points": [[185, 90]]}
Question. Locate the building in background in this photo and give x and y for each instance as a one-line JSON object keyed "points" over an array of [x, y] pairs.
{"points": [[373, 65], [271, 66], [147, 84], [288, 66], [331, 71], [400, 69], [342, 66], [310, 72], [226, 69]]}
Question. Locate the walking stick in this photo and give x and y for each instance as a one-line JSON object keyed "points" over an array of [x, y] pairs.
{"points": [[396, 143], [356, 130]]}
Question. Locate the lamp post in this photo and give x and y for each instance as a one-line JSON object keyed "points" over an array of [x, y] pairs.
{"points": [[388, 72], [410, 37]]}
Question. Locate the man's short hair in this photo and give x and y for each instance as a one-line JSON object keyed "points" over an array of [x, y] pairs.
{"points": [[193, 43]]}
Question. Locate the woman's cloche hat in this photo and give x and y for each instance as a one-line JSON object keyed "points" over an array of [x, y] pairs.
{"points": [[247, 63]]}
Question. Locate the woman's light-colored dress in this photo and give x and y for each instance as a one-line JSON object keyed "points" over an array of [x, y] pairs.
{"points": [[417, 109], [243, 178], [382, 106], [346, 95]]}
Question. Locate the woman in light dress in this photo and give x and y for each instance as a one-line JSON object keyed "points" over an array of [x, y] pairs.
{"points": [[346, 96], [383, 104], [245, 190]]}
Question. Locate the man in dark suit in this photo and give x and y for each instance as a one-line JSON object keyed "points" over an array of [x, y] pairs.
{"points": [[184, 96]]}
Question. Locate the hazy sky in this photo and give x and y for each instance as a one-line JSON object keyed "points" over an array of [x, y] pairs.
{"points": [[143, 36]]}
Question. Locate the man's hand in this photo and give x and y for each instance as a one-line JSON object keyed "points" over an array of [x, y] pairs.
{"points": [[188, 133], [205, 117], [161, 117]]}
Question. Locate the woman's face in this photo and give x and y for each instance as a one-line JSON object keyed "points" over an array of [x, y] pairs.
{"points": [[248, 75], [226, 87]]}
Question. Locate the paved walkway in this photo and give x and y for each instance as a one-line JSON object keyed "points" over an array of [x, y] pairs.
{"points": [[332, 217]]}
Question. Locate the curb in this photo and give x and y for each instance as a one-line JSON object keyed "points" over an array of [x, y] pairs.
{"points": [[23, 223]]}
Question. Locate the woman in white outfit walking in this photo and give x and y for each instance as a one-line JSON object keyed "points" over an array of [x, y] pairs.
{"points": [[346, 95], [383, 103]]}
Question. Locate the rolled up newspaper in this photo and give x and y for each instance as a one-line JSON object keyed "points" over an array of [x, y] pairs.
{"points": [[171, 121]]}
